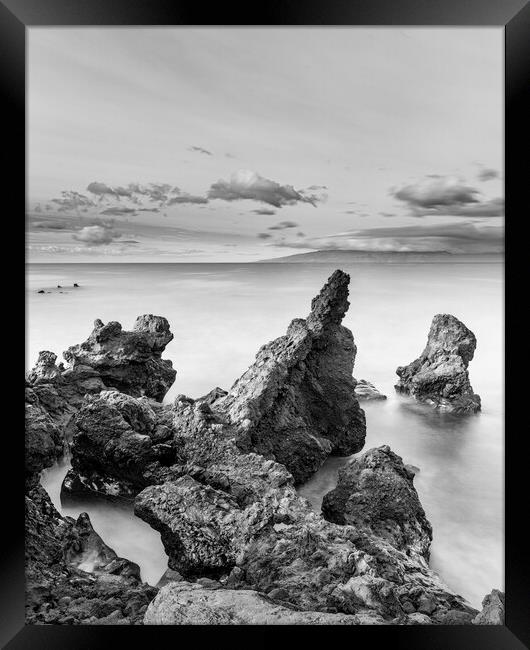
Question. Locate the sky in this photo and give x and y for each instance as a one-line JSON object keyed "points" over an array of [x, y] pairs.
{"points": [[241, 144]]}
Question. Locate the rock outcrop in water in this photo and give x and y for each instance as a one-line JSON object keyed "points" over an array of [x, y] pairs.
{"points": [[375, 492], [72, 577], [440, 377], [296, 404], [119, 446], [366, 392], [128, 361], [216, 477]]}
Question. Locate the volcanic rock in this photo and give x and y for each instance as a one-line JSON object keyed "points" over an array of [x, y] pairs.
{"points": [[365, 391], [492, 609], [182, 603], [72, 577], [296, 404], [440, 377], [128, 361], [375, 492], [119, 445]]}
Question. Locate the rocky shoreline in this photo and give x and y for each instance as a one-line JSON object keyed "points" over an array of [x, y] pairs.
{"points": [[217, 477]]}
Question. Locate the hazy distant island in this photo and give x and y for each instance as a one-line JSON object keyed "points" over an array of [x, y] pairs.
{"points": [[339, 256]]}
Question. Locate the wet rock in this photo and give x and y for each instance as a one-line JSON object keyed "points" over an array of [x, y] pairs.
{"points": [[196, 524], [376, 492], [440, 376], [117, 448], [44, 443], [72, 577], [192, 604], [493, 609], [365, 391], [128, 361], [296, 404]]}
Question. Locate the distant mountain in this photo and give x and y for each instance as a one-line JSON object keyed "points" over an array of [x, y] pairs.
{"points": [[346, 256]]}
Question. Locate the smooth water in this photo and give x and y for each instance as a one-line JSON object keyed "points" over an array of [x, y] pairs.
{"points": [[221, 314]]}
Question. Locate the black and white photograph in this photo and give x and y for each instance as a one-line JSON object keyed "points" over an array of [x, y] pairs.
{"points": [[264, 371]]}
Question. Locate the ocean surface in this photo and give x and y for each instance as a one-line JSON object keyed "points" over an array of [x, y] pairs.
{"points": [[221, 314]]}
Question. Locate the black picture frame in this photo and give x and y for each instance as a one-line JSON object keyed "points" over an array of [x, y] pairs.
{"points": [[514, 15]]}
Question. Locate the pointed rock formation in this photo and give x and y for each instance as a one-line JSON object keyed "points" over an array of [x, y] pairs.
{"points": [[375, 492], [440, 377], [128, 361], [296, 404]]}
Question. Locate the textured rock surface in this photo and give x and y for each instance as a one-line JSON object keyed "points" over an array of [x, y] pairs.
{"points": [[44, 442], [119, 446], [72, 577], [128, 361], [365, 391], [492, 609], [440, 376], [182, 603], [375, 492], [296, 404], [273, 542]]}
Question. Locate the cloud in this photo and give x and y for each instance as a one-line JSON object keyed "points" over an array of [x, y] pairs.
{"points": [[157, 192], [463, 237], [200, 150], [100, 189], [317, 187], [300, 234], [96, 235], [72, 201], [187, 198], [487, 174], [264, 211], [446, 196], [38, 208], [284, 225], [51, 225], [264, 235], [246, 184]]}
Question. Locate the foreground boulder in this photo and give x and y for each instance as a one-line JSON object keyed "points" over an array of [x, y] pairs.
{"points": [[128, 361], [375, 492], [296, 404], [492, 609], [440, 377], [120, 445], [272, 541], [72, 577], [182, 603]]}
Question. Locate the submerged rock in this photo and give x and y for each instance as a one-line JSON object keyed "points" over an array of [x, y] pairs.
{"points": [[439, 376], [492, 609], [296, 404], [72, 577], [128, 361], [183, 603], [365, 391], [375, 492]]}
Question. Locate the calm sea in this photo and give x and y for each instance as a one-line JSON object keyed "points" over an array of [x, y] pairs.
{"points": [[221, 314]]}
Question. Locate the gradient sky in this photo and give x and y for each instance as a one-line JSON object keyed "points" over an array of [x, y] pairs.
{"points": [[236, 144]]}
